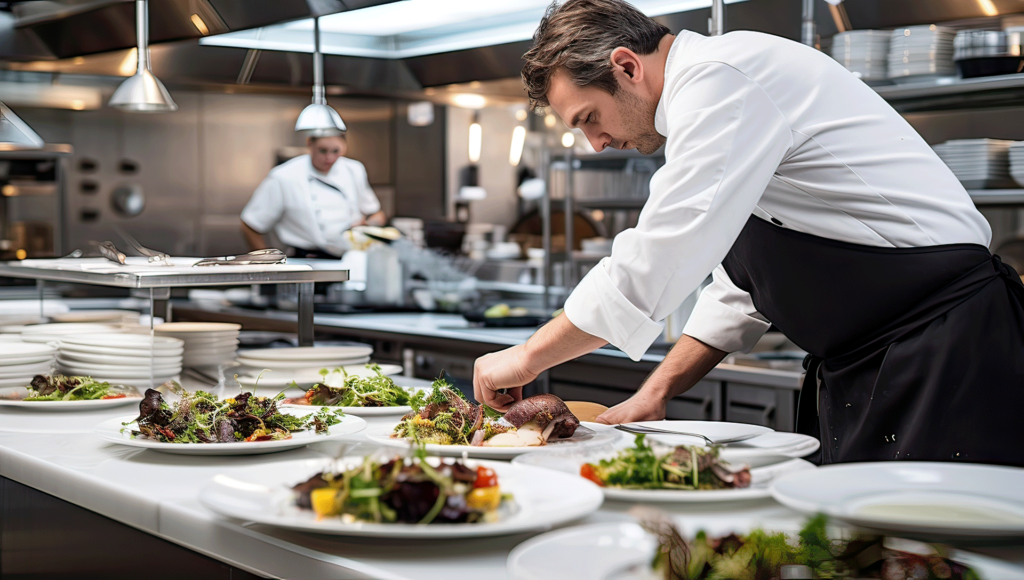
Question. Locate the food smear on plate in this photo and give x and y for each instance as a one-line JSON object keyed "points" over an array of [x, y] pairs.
{"points": [[447, 418], [411, 491], [65, 388], [378, 390], [811, 554], [200, 417], [683, 467]]}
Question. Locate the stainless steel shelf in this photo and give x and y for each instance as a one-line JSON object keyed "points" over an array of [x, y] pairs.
{"points": [[995, 197], [212, 276], [955, 93]]}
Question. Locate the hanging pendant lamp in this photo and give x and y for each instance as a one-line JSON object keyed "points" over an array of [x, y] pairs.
{"points": [[143, 92], [319, 119], [15, 134]]}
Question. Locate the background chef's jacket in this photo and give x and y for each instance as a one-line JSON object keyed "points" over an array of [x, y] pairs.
{"points": [[312, 210], [757, 124]]}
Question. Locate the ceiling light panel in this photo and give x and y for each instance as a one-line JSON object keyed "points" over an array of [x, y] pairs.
{"points": [[410, 28]]}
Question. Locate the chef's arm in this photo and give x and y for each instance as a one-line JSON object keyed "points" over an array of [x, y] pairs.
{"points": [[254, 239]]}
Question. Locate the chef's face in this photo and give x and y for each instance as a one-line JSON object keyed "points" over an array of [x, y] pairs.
{"points": [[325, 151], [621, 121]]}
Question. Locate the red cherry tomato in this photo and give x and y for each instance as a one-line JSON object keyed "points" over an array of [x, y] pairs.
{"points": [[587, 471], [485, 477], [121, 396]]}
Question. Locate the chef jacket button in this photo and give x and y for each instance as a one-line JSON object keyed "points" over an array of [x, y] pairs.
{"points": [[776, 222]]}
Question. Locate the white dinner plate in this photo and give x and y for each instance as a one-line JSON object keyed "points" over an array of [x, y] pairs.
{"points": [[125, 375], [18, 393], [367, 411], [73, 357], [100, 316], [715, 430], [110, 430], [938, 501], [624, 551], [541, 500], [6, 363], [571, 461], [298, 365], [140, 367], [68, 328], [15, 371], [587, 435], [766, 449], [310, 353], [191, 343], [18, 352], [139, 350], [197, 328], [281, 379], [118, 341]]}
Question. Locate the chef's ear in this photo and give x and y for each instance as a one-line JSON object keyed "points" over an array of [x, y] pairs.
{"points": [[628, 63]]}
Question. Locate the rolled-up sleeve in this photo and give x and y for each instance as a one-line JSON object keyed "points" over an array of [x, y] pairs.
{"points": [[725, 317], [726, 139], [266, 207], [368, 202]]}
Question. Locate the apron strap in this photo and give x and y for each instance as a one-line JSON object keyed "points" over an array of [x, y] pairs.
{"points": [[807, 403]]}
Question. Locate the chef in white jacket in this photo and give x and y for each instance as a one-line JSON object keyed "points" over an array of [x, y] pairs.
{"points": [[815, 207], [311, 201]]}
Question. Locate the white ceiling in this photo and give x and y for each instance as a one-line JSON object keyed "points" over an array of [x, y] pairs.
{"points": [[411, 28]]}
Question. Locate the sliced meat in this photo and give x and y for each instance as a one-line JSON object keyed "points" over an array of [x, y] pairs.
{"points": [[548, 411], [43, 385]]}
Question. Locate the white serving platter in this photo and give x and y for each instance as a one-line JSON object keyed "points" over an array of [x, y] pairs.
{"points": [[110, 431], [541, 501], [365, 411], [20, 392], [587, 435], [309, 353], [936, 501]]}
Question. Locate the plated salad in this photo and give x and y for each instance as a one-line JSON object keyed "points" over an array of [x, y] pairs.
{"points": [[663, 467], [812, 554], [447, 418], [405, 491], [355, 391], [200, 418], [64, 388]]}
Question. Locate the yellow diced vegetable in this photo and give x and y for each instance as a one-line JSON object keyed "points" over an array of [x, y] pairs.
{"points": [[325, 501], [484, 498]]}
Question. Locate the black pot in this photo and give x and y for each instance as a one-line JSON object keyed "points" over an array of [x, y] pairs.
{"points": [[990, 66]]}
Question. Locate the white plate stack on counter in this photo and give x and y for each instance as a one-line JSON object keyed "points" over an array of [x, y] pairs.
{"points": [[865, 53], [978, 163], [206, 343], [1017, 162], [302, 363], [43, 333], [19, 362], [127, 359], [921, 53]]}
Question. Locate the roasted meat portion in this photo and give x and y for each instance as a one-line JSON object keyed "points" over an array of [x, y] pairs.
{"points": [[549, 413]]}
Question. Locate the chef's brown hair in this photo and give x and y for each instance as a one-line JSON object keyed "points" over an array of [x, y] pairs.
{"points": [[579, 36]]}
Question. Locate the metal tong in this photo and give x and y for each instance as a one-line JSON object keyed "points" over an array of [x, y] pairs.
{"points": [[153, 255], [258, 257]]}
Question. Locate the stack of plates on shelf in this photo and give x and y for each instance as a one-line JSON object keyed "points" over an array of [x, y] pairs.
{"points": [[920, 53], [19, 362], [56, 331], [865, 53], [978, 163], [206, 343], [98, 316], [1017, 162], [303, 360], [128, 359]]}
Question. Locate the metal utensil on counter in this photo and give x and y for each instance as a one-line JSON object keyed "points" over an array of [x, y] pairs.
{"points": [[73, 255], [258, 257], [643, 430], [110, 252], [153, 255]]}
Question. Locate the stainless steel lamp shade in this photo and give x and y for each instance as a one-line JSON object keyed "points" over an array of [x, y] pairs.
{"points": [[143, 92], [15, 134], [319, 119]]}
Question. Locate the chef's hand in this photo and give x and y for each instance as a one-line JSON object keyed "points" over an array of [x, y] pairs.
{"points": [[643, 406], [506, 369]]}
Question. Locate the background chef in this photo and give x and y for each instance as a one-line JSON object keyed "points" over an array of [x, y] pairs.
{"points": [[311, 201], [817, 208]]}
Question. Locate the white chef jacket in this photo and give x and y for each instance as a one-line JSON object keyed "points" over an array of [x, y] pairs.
{"points": [[308, 209], [757, 124]]}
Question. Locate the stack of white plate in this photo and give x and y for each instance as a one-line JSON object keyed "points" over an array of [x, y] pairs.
{"points": [[865, 53], [920, 53], [978, 163], [1017, 162], [206, 343], [129, 359], [303, 360], [19, 362], [98, 316], [56, 331]]}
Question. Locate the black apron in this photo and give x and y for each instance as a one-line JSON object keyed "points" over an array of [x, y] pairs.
{"points": [[915, 353]]}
